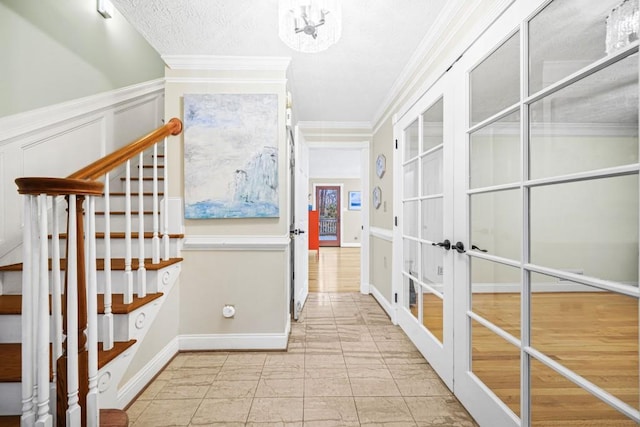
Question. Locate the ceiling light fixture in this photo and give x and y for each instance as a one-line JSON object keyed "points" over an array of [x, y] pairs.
{"points": [[310, 25]]}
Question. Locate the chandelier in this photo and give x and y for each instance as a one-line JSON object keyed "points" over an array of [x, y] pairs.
{"points": [[310, 25]]}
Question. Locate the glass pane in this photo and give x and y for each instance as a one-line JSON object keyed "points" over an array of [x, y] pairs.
{"points": [[410, 257], [432, 173], [497, 363], [411, 179], [566, 36], [432, 265], [496, 223], [410, 219], [494, 153], [410, 296], [556, 401], [592, 124], [591, 332], [432, 307], [587, 227], [432, 220], [495, 83], [411, 141], [432, 126], [496, 293]]}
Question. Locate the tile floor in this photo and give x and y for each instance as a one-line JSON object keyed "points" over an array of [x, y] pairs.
{"points": [[346, 365]]}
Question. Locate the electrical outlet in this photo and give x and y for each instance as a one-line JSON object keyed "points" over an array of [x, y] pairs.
{"points": [[440, 270]]}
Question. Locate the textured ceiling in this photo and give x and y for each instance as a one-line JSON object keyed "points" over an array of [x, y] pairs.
{"points": [[347, 82]]}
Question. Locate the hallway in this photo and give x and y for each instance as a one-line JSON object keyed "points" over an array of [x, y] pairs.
{"points": [[346, 365]]}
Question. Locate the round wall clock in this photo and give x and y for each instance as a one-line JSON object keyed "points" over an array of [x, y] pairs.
{"points": [[377, 197], [381, 165]]}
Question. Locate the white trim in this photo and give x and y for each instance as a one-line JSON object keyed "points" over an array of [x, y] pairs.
{"points": [[143, 377], [505, 288], [306, 125], [226, 63], [351, 245], [337, 145], [227, 81], [275, 341], [236, 243], [381, 233], [384, 303], [41, 118]]}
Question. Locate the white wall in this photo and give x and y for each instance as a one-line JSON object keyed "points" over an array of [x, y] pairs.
{"points": [[334, 163]]}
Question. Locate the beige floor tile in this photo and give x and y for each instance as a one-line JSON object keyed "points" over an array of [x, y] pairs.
{"points": [[369, 371], [245, 359], [280, 388], [135, 410], [223, 424], [204, 360], [422, 387], [230, 389], [382, 410], [237, 373], [178, 361], [359, 347], [284, 359], [438, 411], [171, 391], [337, 372], [276, 424], [374, 387], [390, 424], [323, 361], [415, 372], [278, 409], [162, 413], [355, 359], [193, 376], [336, 410], [282, 372], [222, 410], [153, 389], [327, 387], [405, 359]]}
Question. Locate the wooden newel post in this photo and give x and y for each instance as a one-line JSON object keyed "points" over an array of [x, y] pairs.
{"points": [[82, 326]]}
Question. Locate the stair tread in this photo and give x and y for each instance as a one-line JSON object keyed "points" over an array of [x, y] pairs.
{"points": [[12, 304], [11, 366], [146, 178], [122, 212], [10, 421], [151, 167], [113, 418], [122, 193], [116, 264]]}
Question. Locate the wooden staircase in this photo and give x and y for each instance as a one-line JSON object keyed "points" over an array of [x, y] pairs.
{"points": [[126, 240]]}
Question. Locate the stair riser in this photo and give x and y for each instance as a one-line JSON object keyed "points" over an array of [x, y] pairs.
{"points": [[118, 247], [117, 203], [12, 281], [147, 186], [118, 223], [10, 403]]}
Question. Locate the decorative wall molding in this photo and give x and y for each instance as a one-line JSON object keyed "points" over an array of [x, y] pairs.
{"points": [[338, 145], [226, 81], [140, 380], [41, 118], [334, 125], [226, 63], [351, 245], [234, 341], [381, 233], [235, 243]]}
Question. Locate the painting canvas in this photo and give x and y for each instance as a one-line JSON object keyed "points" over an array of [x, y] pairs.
{"points": [[231, 156]]}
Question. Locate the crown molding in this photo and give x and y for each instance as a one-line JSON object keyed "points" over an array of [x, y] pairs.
{"points": [[226, 63], [334, 125]]}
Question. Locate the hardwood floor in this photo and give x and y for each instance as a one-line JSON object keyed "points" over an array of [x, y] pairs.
{"points": [[595, 334], [334, 270]]}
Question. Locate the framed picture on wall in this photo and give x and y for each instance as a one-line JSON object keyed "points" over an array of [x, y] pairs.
{"points": [[355, 200]]}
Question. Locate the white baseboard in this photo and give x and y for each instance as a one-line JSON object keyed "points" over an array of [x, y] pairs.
{"points": [[384, 303], [365, 288], [234, 341], [140, 380], [350, 245]]}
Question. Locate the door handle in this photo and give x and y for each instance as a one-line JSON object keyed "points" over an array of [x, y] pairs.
{"points": [[444, 244], [296, 231], [478, 249], [459, 246]]}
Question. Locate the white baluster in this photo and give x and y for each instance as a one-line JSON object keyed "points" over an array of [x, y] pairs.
{"points": [[73, 410], [42, 367], [107, 340], [56, 289], [35, 281], [165, 233], [92, 316], [128, 274], [142, 274], [28, 410], [155, 242]]}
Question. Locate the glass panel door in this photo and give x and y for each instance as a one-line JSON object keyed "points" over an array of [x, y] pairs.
{"points": [[328, 206], [424, 159]]}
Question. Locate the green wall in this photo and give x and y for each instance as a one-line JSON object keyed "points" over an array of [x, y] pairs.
{"points": [[58, 50]]}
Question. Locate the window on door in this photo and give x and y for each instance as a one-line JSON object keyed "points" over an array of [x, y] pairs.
{"points": [[328, 207]]}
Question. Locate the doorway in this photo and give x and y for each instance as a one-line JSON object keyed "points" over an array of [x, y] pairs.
{"points": [[329, 207]]}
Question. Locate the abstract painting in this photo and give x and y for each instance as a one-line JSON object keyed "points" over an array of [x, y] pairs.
{"points": [[231, 156]]}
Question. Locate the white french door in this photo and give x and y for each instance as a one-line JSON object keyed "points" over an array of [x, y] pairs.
{"points": [[423, 282], [540, 294], [301, 229]]}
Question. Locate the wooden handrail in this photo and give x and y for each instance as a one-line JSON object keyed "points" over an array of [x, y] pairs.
{"points": [[58, 186], [106, 164]]}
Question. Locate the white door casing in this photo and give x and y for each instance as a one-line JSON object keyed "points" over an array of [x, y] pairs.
{"points": [[301, 280]]}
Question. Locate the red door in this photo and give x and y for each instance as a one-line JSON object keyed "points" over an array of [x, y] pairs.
{"points": [[328, 207]]}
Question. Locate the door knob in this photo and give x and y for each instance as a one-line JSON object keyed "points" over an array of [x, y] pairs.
{"points": [[459, 246], [478, 249], [445, 244]]}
